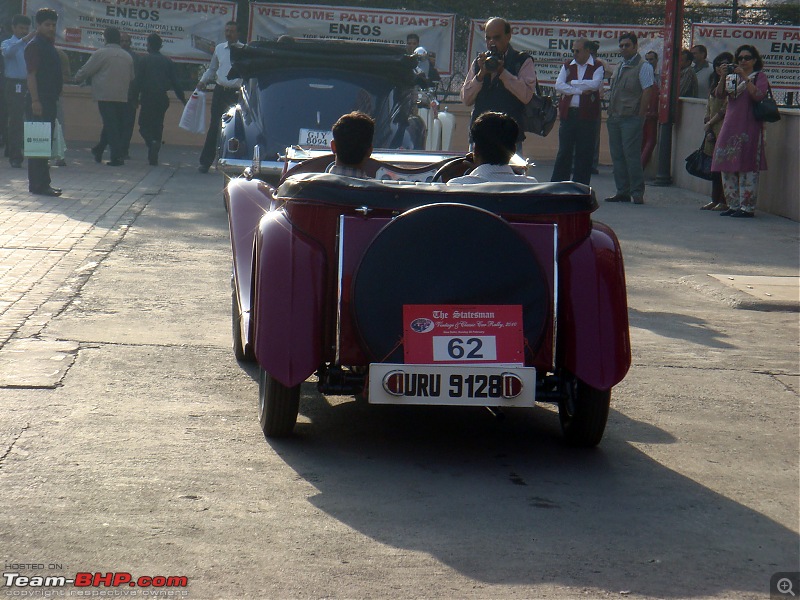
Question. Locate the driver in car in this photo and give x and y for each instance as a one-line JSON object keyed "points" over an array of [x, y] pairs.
{"points": [[352, 144], [495, 137]]}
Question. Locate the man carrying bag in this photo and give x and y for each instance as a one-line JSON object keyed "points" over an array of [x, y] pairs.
{"points": [[44, 88]]}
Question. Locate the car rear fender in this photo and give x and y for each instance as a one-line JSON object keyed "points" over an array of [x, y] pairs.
{"points": [[246, 201], [594, 342], [289, 286]]}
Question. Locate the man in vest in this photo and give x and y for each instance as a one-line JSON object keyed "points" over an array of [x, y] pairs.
{"points": [[627, 106], [579, 82], [501, 79]]}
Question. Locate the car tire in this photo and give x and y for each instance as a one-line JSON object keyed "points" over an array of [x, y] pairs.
{"points": [[583, 413], [278, 406]]}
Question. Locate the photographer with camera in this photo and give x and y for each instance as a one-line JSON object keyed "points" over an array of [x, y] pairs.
{"points": [[739, 153], [501, 79]]}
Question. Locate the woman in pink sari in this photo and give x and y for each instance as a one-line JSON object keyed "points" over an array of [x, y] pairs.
{"points": [[739, 154]]}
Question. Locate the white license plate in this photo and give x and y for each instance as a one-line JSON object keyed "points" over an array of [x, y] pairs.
{"points": [[456, 385], [315, 137]]}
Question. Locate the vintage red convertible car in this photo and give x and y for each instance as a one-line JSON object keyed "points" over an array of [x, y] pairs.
{"points": [[401, 289], [415, 292]]}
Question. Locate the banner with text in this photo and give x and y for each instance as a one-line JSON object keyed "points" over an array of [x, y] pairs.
{"points": [[550, 44], [190, 28], [779, 47], [311, 21]]}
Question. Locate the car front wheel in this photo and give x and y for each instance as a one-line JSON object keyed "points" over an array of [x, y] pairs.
{"points": [[278, 405], [583, 412]]}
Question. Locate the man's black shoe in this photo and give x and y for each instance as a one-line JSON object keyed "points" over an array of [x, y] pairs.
{"points": [[619, 198], [203, 169], [115, 163], [47, 191], [17, 164], [98, 155]]}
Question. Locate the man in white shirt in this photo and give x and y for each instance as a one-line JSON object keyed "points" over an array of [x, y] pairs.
{"points": [[579, 82], [225, 91], [495, 137]]}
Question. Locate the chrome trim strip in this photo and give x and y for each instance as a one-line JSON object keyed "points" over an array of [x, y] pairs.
{"points": [[555, 293], [340, 269]]}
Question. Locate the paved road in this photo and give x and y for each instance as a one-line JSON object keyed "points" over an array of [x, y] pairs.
{"points": [[129, 440]]}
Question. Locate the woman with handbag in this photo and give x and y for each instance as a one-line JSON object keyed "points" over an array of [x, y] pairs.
{"points": [[715, 114], [739, 153]]}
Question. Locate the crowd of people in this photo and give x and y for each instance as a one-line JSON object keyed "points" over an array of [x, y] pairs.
{"points": [[732, 84], [122, 82], [501, 81]]}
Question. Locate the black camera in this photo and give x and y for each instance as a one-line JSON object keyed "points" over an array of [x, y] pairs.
{"points": [[493, 60], [730, 69]]}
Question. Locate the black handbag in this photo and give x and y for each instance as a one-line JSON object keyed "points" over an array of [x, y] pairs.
{"points": [[698, 163], [767, 109], [540, 114]]}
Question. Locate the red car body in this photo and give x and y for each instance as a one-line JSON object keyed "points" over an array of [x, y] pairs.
{"points": [[323, 265]]}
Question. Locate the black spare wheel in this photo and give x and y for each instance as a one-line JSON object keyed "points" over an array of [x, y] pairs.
{"points": [[444, 254]]}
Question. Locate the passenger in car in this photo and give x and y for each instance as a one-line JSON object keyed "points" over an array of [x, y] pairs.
{"points": [[495, 136], [352, 144]]}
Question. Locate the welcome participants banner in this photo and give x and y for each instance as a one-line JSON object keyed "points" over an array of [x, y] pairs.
{"points": [[779, 47], [550, 43], [317, 22], [190, 28]]}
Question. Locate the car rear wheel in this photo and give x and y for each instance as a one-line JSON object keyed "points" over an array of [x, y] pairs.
{"points": [[583, 412], [278, 406]]}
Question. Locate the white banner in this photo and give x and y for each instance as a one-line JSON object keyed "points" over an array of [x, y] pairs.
{"points": [[190, 28], [312, 21], [550, 44], [779, 47]]}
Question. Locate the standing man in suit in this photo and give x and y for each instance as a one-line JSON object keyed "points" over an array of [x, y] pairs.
{"points": [[44, 87], [225, 91], [154, 76]]}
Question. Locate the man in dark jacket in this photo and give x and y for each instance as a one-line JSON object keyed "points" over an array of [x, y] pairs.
{"points": [[44, 88], [154, 76], [501, 79]]}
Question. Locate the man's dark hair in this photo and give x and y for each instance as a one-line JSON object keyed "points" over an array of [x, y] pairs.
{"points": [[653, 52], [687, 54], [111, 35], [629, 35], [154, 42], [20, 20], [353, 136], [46, 14], [702, 49], [412, 36], [495, 137], [234, 23]]}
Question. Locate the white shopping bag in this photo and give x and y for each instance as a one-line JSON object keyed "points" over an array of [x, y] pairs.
{"points": [[193, 118], [38, 139], [59, 144]]}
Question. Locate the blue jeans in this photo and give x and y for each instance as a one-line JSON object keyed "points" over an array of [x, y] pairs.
{"points": [[625, 143]]}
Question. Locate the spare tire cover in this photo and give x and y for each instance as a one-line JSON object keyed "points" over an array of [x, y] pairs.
{"points": [[444, 254]]}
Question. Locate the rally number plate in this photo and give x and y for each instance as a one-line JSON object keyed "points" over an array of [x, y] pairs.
{"points": [[457, 385], [315, 137]]}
